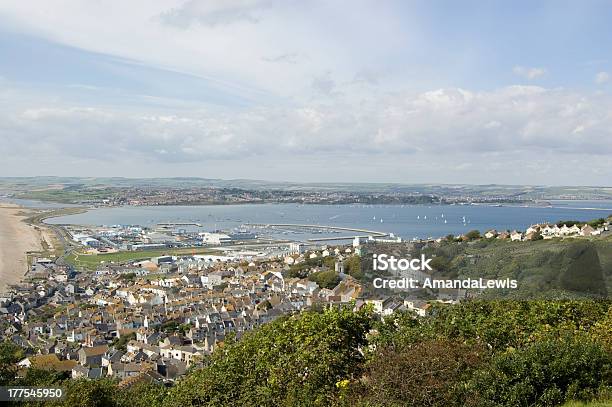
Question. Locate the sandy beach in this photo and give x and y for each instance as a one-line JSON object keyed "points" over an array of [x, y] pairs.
{"points": [[16, 238]]}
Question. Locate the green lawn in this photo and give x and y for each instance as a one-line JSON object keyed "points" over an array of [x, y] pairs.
{"points": [[91, 261], [67, 195]]}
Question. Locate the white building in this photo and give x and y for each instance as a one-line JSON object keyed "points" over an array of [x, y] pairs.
{"points": [[215, 238], [296, 248]]}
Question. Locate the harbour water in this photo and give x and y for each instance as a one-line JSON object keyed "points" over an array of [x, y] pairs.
{"points": [[406, 221]]}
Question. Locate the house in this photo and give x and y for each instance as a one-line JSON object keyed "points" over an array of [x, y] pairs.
{"points": [[503, 235], [211, 280], [185, 354], [532, 229], [274, 279], [587, 230], [549, 231], [124, 370], [516, 236], [490, 234], [83, 372], [569, 230], [111, 356], [92, 356], [171, 369], [418, 306]]}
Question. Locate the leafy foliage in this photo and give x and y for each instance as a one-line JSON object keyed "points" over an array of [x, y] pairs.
{"points": [[10, 354], [428, 373], [473, 234], [325, 279], [546, 373], [292, 361]]}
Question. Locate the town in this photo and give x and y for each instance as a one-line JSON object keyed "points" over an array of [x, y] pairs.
{"points": [[151, 319], [155, 318]]}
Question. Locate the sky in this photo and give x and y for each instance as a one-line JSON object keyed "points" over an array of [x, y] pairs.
{"points": [[433, 91]]}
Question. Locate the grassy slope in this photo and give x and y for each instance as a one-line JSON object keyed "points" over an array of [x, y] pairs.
{"points": [[536, 264], [67, 195]]}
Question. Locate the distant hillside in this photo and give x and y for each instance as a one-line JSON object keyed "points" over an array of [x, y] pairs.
{"points": [[528, 192]]}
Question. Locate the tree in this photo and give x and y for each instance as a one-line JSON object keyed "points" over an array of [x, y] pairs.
{"points": [[352, 266], [473, 234], [143, 395], [10, 354], [292, 361], [121, 342], [89, 393], [440, 263], [596, 222], [325, 279]]}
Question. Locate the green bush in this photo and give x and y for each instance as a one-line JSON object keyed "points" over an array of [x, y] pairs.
{"points": [[546, 373], [430, 373], [325, 279], [294, 361]]}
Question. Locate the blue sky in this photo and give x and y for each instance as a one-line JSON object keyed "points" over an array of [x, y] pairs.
{"points": [[404, 91]]}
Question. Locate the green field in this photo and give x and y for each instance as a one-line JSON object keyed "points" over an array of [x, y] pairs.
{"points": [[91, 261], [68, 194]]}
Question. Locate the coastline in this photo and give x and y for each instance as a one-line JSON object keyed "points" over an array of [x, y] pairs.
{"points": [[17, 238]]}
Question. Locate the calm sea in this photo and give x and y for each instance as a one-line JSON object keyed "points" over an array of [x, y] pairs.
{"points": [[407, 221]]}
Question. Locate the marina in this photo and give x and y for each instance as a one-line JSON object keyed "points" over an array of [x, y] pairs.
{"points": [[303, 222]]}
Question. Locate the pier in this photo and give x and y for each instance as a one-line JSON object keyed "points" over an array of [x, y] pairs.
{"points": [[179, 224], [368, 233]]}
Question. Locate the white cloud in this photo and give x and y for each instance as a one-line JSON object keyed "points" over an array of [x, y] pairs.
{"points": [[343, 80], [513, 119], [214, 13], [520, 134], [529, 73], [602, 77]]}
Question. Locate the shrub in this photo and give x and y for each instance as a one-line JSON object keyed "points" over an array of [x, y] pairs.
{"points": [[292, 361], [325, 279], [546, 373], [473, 234], [430, 373]]}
